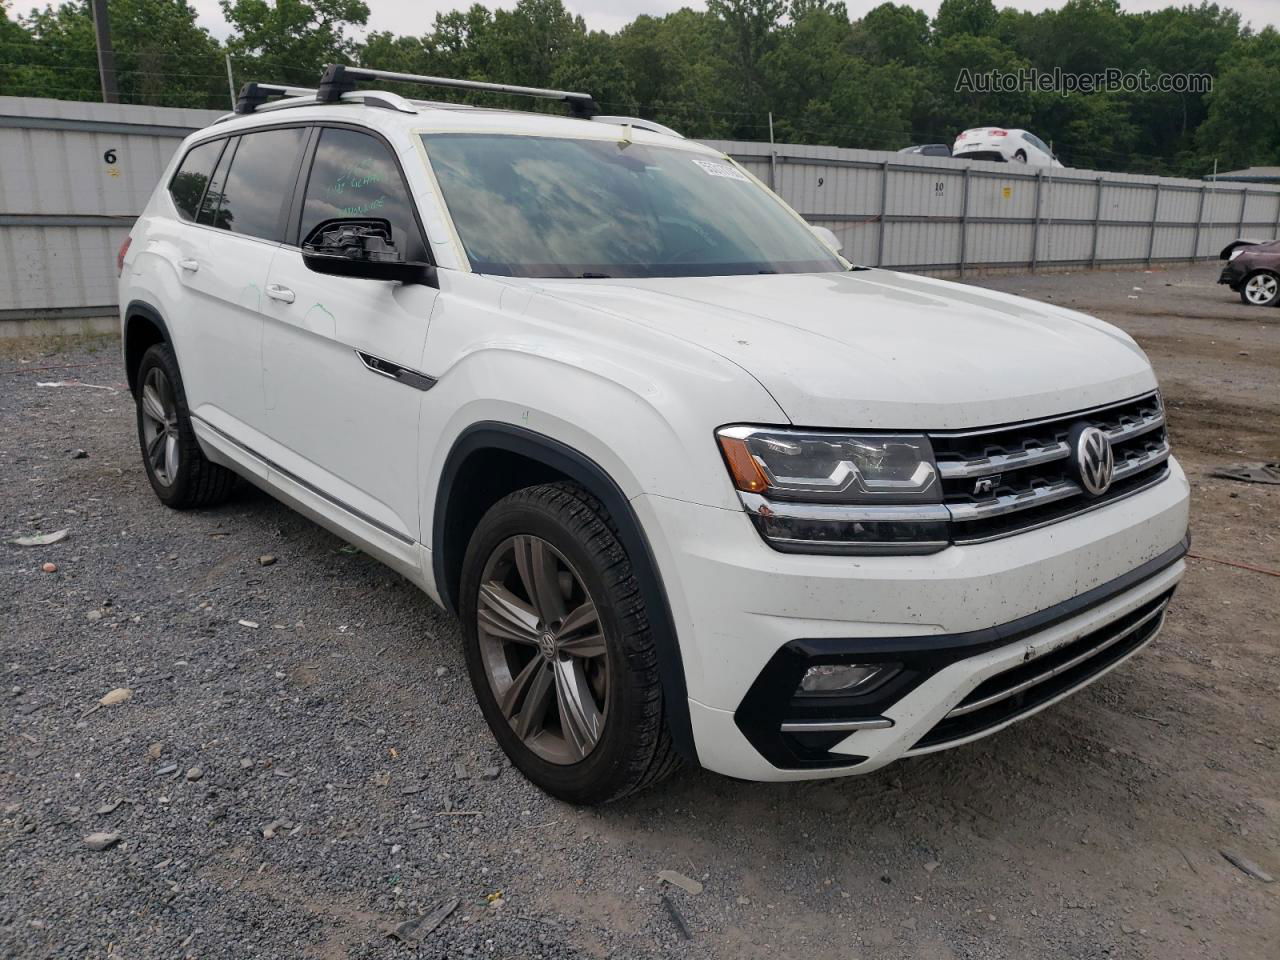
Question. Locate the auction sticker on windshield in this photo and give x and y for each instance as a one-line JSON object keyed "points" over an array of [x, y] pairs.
{"points": [[714, 169]]}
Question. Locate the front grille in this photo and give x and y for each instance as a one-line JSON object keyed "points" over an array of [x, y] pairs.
{"points": [[1034, 682], [1004, 480]]}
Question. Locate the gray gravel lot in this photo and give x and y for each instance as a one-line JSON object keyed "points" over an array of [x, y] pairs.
{"points": [[301, 766]]}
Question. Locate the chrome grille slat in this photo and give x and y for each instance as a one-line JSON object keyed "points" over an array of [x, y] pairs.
{"points": [[1013, 477], [1013, 502], [999, 463], [1127, 432], [951, 470]]}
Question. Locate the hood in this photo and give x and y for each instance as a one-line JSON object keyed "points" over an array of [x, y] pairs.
{"points": [[875, 349]]}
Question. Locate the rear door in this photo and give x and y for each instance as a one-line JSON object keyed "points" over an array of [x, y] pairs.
{"points": [[339, 419], [223, 255]]}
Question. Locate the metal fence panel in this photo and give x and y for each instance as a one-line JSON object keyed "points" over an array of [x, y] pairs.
{"points": [[74, 175]]}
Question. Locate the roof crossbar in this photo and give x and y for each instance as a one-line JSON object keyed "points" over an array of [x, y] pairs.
{"points": [[254, 95], [339, 79]]}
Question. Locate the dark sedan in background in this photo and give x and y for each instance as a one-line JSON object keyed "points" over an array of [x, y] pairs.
{"points": [[1253, 271]]}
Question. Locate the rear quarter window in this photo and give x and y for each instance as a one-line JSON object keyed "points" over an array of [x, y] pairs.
{"points": [[188, 184]]}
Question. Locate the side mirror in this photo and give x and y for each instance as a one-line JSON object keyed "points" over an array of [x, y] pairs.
{"points": [[363, 248], [827, 237]]}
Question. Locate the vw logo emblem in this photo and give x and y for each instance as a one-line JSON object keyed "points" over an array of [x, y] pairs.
{"points": [[547, 644], [1094, 462]]}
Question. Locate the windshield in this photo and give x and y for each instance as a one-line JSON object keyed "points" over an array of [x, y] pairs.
{"points": [[554, 207]]}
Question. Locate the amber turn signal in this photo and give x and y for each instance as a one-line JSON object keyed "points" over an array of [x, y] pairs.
{"points": [[746, 473]]}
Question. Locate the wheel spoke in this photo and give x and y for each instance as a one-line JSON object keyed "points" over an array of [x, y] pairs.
{"points": [[541, 579], [152, 405], [579, 619], [171, 456], [505, 615], [537, 698], [579, 716], [155, 449], [586, 646]]}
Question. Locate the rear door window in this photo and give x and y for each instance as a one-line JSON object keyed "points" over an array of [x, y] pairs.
{"points": [[355, 175], [188, 184], [255, 198]]}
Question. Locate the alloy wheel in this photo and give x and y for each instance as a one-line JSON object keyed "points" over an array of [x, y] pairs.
{"points": [[543, 648], [1261, 288], [160, 426]]}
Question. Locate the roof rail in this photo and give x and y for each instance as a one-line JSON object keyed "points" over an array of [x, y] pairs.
{"points": [[254, 95], [640, 124], [339, 79]]}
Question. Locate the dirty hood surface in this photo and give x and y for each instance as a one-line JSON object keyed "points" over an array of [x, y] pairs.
{"points": [[875, 349]]}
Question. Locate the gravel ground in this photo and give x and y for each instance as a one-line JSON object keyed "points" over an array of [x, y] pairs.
{"points": [[301, 767]]}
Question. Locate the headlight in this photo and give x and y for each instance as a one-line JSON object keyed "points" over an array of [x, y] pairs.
{"points": [[1235, 253], [824, 492], [831, 467]]}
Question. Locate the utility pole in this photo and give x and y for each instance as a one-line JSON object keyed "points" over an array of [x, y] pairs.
{"points": [[231, 83], [106, 56]]}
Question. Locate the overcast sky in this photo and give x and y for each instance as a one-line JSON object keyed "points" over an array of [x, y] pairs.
{"points": [[416, 16]]}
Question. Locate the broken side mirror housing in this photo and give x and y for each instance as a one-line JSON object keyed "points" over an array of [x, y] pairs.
{"points": [[361, 248]]}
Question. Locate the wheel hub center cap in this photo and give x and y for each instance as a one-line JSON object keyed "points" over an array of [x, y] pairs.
{"points": [[547, 644]]}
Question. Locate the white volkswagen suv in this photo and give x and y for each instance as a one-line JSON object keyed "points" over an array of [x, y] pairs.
{"points": [[694, 485]]}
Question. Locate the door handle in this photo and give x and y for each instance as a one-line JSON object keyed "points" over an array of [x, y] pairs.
{"points": [[191, 266], [277, 292]]}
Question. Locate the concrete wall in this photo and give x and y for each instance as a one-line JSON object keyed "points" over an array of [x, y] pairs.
{"points": [[74, 175]]}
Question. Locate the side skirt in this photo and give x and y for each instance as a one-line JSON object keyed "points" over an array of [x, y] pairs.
{"points": [[402, 554]]}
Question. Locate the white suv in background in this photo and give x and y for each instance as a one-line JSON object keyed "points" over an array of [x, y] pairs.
{"points": [[694, 485]]}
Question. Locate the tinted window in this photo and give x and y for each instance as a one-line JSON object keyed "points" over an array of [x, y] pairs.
{"points": [[354, 175], [255, 198], [1037, 142], [187, 185], [211, 208]]}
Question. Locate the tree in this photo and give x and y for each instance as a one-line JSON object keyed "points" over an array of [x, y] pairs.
{"points": [[975, 18], [1243, 127], [746, 30], [292, 40], [891, 32], [162, 57]]}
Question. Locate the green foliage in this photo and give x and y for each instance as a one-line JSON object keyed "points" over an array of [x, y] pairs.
{"points": [[881, 82]]}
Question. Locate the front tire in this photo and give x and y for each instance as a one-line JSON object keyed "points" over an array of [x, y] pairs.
{"points": [[1261, 289], [1020, 156], [558, 647], [180, 474]]}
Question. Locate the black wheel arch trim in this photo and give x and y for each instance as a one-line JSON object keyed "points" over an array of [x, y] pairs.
{"points": [[135, 309], [490, 435]]}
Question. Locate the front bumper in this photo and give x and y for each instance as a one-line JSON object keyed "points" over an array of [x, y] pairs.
{"points": [[1232, 275], [962, 622]]}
